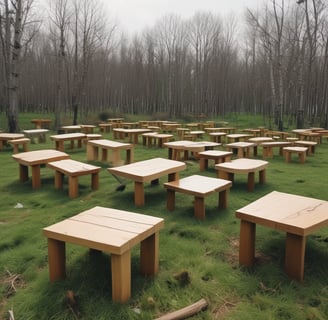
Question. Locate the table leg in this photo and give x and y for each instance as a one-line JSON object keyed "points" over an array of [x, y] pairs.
{"points": [[223, 199], [129, 156], [73, 186], [250, 181], [121, 276], [116, 157], [203, 164], [56, 259], [226, 175], [247, 243], [294, 256], [91, 152], [170, 199], [36, 180], [199, 208], [139, 193], [169, 153], [95, 181], [173, 176], [79, 143], [58, 180], [149, 255], [262, 176], [23, 173]]}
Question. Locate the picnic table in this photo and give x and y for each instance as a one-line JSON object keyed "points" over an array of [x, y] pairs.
{"points": [[71, 137], [4, 137], [94, 147], [148, 171], [296, 215], [35, 159], [112, 231]]}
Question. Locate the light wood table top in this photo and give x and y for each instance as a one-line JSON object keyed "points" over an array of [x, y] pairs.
{"points": [[112, 231], [35, 159], [296, 215], [147, 171]]}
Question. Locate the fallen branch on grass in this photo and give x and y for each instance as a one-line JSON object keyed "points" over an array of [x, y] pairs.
{"points": [[186, 312]]}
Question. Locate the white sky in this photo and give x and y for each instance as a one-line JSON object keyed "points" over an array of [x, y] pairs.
{"points": [[135, 15]]}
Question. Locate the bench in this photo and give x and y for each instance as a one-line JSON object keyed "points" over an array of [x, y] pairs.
{"points": [[300, 151], [20, 142], [199, 187], [74, 169]]}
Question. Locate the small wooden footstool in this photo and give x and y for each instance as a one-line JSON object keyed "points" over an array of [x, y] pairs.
{"points": [[73, 169], [306, 144], [301, 151], [199, 187], [17, 142]]}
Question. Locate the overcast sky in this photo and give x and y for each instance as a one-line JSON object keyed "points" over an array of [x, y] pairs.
{"points": [[135, 15]]}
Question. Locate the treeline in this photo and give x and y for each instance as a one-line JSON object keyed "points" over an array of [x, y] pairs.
{"points": [[272, 61]]}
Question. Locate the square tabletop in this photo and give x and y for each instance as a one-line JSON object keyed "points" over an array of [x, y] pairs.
{"points": [[148, 170], [37, 157], [106, 229], [287, 212]]}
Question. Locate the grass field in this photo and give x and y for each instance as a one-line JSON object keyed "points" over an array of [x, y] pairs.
{"points": [[207, 251]]}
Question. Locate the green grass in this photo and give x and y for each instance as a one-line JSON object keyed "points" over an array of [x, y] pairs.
{"points": [[207, 250]]}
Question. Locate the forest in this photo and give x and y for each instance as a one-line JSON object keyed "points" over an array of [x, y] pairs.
{"points": [[71, 56]]}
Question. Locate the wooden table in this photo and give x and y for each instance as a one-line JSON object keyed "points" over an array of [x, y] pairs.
{"points": [[186, 146], [35, 159], [87, 128], [153, 138], [267, 147], [243, 148], [199, 187], [217, 136], [93, 147], [40, 134], [216, 155], [112, 231], [148, 171], [258, 141], [4, 137], [298, 216], [70, 129], [74, 169], [226, 170], [71, 137], [41, 123], [236, 137], [300, 151], [132, 134]]}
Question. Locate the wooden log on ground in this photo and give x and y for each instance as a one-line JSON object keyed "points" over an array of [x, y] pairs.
{"points": [[186, 312]]}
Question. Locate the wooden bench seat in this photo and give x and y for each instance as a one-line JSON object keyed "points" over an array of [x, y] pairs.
{"points": [[20, 142], [73, 169], [199, 187]]}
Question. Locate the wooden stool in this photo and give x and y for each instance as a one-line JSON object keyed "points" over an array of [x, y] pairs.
{"points": [[73, 169], [301, 151], [199, 187], [216, 155], [17, 142]]}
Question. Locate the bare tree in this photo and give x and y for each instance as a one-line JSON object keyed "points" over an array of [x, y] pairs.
{"points": [[14, 20]]}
